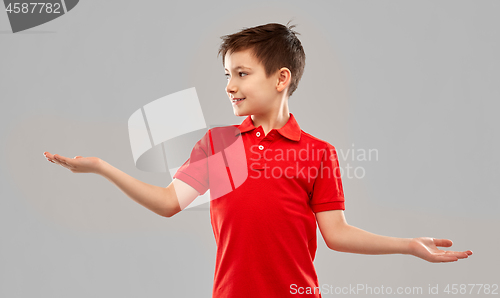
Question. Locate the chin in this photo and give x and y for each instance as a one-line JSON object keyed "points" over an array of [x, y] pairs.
{"points": [[240, 113]]}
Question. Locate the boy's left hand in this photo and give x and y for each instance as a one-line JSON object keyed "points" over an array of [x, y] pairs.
{"points": [[426, 248]]}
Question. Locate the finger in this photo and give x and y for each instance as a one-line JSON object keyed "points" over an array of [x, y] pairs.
{"points": [[442, 242], [458, 254], [58, 162], [445, 260], [62, 160], [50, 157], [451, 255], [46, 154], [438, 258]]}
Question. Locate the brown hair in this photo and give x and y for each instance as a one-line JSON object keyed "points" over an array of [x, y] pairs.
{"points": [[274, 45]]}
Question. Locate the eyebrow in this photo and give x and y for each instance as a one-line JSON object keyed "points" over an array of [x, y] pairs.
{"points": [[239, 67]]}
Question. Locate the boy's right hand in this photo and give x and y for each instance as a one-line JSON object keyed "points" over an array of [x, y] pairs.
{"points": [[78, 164]]}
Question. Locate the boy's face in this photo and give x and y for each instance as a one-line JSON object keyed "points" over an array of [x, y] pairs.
{"points": [[246, 78]]}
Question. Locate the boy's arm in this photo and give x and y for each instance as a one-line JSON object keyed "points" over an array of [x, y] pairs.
{"points": [[163, 201], [343, 237]]}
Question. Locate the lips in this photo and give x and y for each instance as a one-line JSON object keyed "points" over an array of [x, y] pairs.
{"points": [[233, 100]]}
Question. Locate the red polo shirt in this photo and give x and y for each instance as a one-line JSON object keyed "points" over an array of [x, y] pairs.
{"points": [[265, 225]]}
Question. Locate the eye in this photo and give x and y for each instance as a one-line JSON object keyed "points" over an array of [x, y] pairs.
{"points": [[227, 75]]}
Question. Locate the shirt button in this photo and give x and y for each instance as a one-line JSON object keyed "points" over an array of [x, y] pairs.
{"points": [[258, 134], [261, 147]]}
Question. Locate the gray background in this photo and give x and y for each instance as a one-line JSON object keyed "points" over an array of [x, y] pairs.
{"points": [[416, 80]]}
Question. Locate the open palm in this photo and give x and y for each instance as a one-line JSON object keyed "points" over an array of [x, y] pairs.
{"points": [[426, 248], [78, 164]]}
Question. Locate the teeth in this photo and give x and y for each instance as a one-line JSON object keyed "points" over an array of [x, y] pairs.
{"points": [[235, 100]]}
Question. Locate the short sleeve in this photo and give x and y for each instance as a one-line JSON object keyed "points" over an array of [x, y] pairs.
{"points": [[328, 193], [195, 170]]}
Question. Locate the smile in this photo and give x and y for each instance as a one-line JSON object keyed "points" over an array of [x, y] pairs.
{"points": [[237, 100]]}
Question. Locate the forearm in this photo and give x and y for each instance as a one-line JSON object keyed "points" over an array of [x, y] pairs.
{"points": [[150, 196], [354, 240]]}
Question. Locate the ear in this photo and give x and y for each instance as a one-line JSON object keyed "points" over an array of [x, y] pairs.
{"points": [[284, 79]]}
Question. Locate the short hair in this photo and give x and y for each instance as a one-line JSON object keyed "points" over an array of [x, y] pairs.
{"points": [[274, 45]]}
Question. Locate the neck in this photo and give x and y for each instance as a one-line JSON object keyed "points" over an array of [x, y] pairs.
{"points": [[274, 119]]}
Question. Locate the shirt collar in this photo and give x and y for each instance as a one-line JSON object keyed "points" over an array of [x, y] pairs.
{"points": [[290, 130]]}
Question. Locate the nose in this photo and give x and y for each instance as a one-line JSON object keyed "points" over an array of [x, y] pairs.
{"points": [[231, 87]]}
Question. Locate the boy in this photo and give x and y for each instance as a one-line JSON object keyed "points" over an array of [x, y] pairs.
{"points": [[265, 227]]}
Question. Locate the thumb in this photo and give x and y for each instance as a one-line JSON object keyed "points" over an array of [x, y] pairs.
{"points": [[443, 242]]}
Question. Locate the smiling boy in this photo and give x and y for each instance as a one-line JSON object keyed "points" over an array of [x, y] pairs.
{"points": [[265, 228]]}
